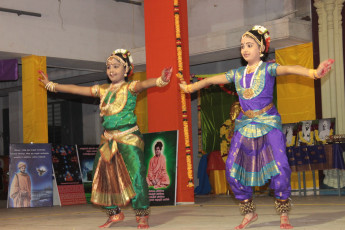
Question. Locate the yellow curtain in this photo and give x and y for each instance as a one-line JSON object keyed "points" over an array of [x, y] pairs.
{"points": [[141, 108], [296, 95], [35, 116], [218, 182]]}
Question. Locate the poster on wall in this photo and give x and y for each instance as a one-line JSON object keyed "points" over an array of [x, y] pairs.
{"points": [[68, 175], [30, 176], [87, 155], [161, 163]]}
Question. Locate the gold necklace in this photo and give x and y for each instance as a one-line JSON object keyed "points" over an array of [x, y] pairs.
{"points": [[114, 88], [248, 93], [251, 68]]}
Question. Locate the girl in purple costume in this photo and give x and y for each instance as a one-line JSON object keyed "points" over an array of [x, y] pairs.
{"points": [[257, 151]]}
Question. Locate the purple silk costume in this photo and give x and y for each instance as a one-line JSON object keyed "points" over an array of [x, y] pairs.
{"points": [[257, 152]]}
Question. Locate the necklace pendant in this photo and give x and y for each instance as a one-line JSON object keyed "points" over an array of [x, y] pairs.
{"points": [[248, 93]]}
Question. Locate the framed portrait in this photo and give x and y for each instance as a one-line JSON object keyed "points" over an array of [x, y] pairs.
{"points": [[161, 163], [290, 131], [323, 129], [306, 132]]}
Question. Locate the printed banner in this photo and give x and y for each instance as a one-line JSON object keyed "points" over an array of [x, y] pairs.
{"points": [[160, 160], [67, 175], [87, 155], [30, 173]]}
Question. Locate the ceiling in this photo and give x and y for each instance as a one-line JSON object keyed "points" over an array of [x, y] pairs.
{"points": [[70, 71]]}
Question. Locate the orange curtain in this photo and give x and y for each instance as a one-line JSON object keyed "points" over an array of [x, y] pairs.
{"points": [[35, 115]]}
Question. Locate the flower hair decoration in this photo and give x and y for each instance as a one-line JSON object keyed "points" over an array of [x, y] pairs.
{"points": [[125, 53], [263, 32]]}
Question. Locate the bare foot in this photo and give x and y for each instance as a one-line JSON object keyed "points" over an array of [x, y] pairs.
{"points": [[248, 219], [113, 219], [143, 222], [284, 221]]}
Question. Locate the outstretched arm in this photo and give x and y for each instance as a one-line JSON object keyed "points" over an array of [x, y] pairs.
{"points": [[320, 72], [54, 87], [215, 80], [161, 81]]}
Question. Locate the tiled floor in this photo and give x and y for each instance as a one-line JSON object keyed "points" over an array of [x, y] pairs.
{"points": [[208, 212]]}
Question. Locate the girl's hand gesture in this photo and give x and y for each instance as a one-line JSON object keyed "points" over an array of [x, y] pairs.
{"points": [[44, 78], [166, 74], [324, 68], [164, 79]]}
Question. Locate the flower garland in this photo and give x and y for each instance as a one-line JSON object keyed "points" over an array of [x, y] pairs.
{"points": [[183, 96], [301, 138], [226, 132], [317, 137], [200, 150]]}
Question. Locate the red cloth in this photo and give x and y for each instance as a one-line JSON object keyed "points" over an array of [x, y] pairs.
{"points": [[215, 161]]}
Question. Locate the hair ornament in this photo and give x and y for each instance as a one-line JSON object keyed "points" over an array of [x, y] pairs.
{"points": [[125, 53], [261, 29], [124, 57], [264, 32], [261, 35]]}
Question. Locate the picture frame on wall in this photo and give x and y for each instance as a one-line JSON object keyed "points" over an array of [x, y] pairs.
{"points": [[325, 127], [290, 131], [306, 132]]}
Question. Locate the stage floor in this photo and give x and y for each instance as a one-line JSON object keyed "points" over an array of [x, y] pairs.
{"points": [[208, 212]]}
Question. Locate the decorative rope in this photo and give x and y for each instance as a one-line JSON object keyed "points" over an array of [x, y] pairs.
{"points": [[183, 96]]}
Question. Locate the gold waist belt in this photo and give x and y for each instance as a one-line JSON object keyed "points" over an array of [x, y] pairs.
{"points": [[253, 113], [112, 134]]}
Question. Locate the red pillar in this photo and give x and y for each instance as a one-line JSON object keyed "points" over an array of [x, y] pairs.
{"points": [[164, 104]]}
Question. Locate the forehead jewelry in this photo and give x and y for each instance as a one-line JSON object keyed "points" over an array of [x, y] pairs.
{"points": [[260, 43], [125, 64]]}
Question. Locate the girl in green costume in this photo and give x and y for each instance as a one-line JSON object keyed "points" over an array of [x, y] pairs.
{"points": [[119, 175]]}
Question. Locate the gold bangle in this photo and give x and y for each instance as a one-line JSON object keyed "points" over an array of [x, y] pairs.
{"points": [[316, 76], [313, 74], [160, 82], [189, 88], [51, 86]]}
